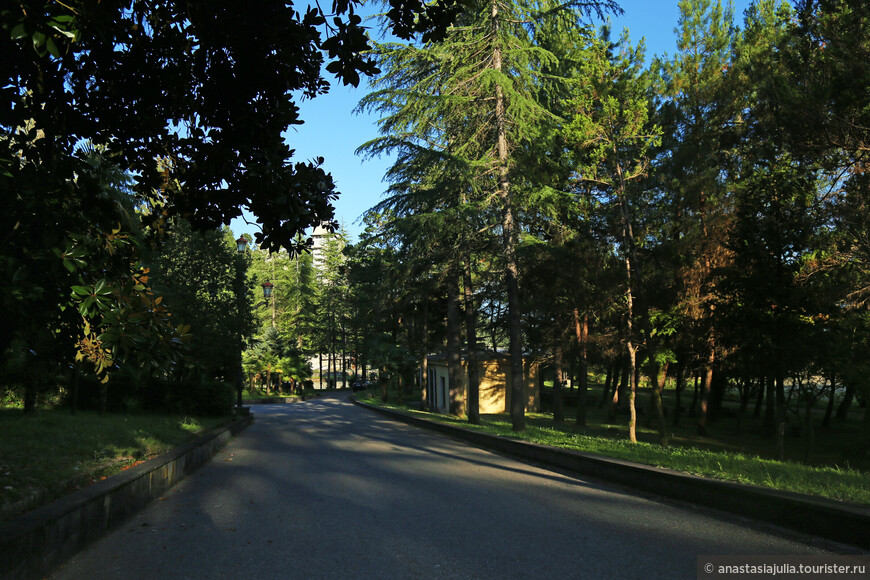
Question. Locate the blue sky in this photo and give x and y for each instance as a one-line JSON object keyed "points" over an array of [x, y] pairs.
{"points": [[332, 130]]}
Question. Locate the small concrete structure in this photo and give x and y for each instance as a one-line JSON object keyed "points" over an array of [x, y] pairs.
{"points": [[494, 371]]}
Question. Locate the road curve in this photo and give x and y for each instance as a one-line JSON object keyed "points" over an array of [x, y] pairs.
{"points": [[325, 489]]}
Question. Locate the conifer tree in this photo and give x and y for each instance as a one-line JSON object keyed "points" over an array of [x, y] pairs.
{"points": [[696, 116], [475, 103], [612, 137]]}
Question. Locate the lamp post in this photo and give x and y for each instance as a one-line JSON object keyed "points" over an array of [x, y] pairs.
{"points": [[241, 247], [268, 287]]}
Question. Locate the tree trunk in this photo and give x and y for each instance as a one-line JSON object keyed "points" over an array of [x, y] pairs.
{"points": [[678, 391], [745, 393], [471, 339], [632, 393], [809, 431], [558, 399], [608, 381], [658, 386], [843, 408], [706, 388], [780, 415], [769, 425], [31, 388], [628, 251], [618, 387], [343, 359], [759, 401], [454, 357], [424, 359], [826, 422], [400, 387], [509, 233], [581, 329]]}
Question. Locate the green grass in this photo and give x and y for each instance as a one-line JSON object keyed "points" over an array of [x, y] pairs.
{"points": [[839, 483], [254, 395], [54, 452]]}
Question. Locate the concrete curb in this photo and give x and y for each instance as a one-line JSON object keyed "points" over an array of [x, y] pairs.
{"points": [[841, 522], [34, 543]]}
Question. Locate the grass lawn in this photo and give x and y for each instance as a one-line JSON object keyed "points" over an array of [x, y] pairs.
{"points": [[727, 453], [54, 452], [256, 394]]}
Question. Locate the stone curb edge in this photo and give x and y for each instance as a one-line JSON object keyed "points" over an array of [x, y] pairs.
{"points": [[34, 543], [841, 522]]}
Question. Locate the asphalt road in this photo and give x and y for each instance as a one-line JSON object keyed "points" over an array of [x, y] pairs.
{"points": [[325, 489]]}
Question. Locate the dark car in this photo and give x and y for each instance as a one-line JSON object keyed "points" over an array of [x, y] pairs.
{"points": [[360, 385]]}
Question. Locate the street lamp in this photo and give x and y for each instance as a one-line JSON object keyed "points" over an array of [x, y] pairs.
{"points": [[241, 247], [267, 294]]}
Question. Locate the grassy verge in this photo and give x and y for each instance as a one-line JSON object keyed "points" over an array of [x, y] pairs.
{"points": [[54, 452], [257, 395], [832, 482]]}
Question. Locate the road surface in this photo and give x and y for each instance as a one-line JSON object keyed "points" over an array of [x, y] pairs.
{"points": [[325, 489]]}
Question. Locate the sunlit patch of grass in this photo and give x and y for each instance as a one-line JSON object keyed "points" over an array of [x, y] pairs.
{"points": [[53, 452], [832, 482]]}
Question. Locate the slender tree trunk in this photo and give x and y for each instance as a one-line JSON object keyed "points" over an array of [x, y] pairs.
{"points": [[678, 391], [618, 387], [826, 422], [320, 368], [509, 232], [581, 330], [343, 359], [809, 430], [628, 242], [706, 388], [632, 393], [848, 396], [608, 381], [759, 401], [745, 393], [31, 388], [424, 358], [780, 415], [454, 357], [632, 355], [471, 339], [493, 323], [659, 386], [693, 408], [558, 399], [400, 384]]}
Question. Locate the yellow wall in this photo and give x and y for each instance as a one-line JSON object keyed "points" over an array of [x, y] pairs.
{"points": [[492, 376]]}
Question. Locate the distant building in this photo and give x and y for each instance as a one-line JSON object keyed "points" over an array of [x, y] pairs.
{"points": [[318, 238], [494, 375]]}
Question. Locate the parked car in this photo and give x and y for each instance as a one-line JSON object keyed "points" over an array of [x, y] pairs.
{"points": [[361, 385]]}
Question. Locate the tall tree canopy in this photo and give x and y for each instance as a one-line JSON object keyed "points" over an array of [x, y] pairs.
{"points": [[190, 100]]}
